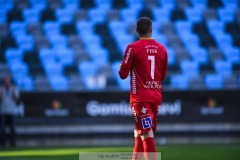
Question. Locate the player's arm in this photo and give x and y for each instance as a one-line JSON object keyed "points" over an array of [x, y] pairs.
{"points": [[165, 66], [126, 63]]}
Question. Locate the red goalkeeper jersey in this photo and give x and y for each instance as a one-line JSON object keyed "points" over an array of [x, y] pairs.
{"points": [[146, 60]]}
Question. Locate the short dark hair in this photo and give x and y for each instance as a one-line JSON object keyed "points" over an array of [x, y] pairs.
{"points": [[143, 25]]}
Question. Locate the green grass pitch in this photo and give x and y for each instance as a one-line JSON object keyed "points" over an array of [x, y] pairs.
{"points": [[169, 152]]}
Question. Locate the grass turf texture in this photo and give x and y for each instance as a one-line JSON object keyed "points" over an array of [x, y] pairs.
{"points": [[183, 152]]}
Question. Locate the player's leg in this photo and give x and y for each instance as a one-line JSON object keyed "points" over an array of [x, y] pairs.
{"points": [[149, 145], [148, 137], [138, 146]]}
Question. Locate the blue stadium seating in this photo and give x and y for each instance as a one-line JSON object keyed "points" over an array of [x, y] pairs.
{"points": [[232, 54], [51, 28], [171, 57], [3, 14], [103, 4], [135, 4], [194, 14], [31, 15], [226, 14], [179, 81], [233, 4], [71, 4], [200, 4], [199, 55], [223, 68], [129, 15], [214, 81], [97, 15], [161, 15], [187, 37], [189, 68], [18, 28], [58, 82], [25, 42], [64, 15], [169, 4], [13, 54]]}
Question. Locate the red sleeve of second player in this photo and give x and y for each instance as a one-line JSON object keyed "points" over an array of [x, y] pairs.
{"points": [[126, 63], [165, 66]]}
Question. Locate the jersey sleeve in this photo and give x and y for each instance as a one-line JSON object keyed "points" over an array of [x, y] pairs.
{"points": [[165, 66], [126, 63]]}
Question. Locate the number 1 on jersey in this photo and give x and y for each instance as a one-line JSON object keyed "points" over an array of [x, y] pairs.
{"points": [[152, 59]]}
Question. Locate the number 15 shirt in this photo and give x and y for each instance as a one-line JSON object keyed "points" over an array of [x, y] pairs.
{"points": [[147, 62]]}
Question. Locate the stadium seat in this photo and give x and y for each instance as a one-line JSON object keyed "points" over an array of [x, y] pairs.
{"points": [[171, 57], [3, 15], [31, 15], [18, 28], [123, 84], [232, 54], [117, 28], [99, 55], [168, 4], [183, 26], [24, 82], [196, 82], [13, 54], [58, 82], [64, 56], [135, 4], [199, 55], [103, 4], [52, 68], [58, 41], [129, 15], [71, 4], [85, 28], [97, 15], [6, 5], [194, 14], [64, 15], [190, 40], [161, 15], [25, 42], [223, 68], [18, 67], [179, 81], [233, 4], [160, 38], [190, 68], [46, 54], [200, 4], [51, 28], [215, 26], [87, 68], [38, 4], [214, 81], [226, 14], [223, 40]]}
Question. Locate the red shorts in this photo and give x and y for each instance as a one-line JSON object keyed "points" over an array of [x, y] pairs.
{"points": [[145, 116]]}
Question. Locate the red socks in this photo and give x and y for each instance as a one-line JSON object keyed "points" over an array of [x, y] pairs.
{"points": [[149, 148], [138, 149]]}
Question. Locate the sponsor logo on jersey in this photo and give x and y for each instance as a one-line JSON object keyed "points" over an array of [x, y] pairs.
{"points": [[128, 54], [152, 85], [146, 122], [134, 114], [144, 110]]}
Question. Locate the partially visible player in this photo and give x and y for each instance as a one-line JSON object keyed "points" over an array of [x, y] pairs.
{"points": [[147, 62]]}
